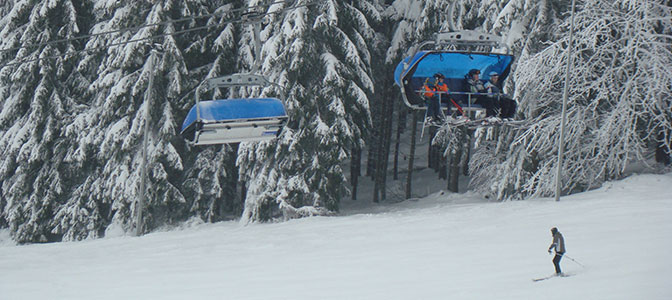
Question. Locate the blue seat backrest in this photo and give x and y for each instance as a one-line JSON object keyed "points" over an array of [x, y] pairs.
{"points": [[413, 96]]}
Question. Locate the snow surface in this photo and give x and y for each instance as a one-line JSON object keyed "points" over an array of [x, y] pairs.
{"points": [[450, 246]]}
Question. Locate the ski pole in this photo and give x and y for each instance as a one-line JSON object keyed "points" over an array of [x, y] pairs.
{"points": [[574, 260]]}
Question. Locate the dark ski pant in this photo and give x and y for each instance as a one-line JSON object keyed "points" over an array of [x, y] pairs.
{"points": [[490, 105], [508, 106], [556, 262], [433, 106], [505, 105]]}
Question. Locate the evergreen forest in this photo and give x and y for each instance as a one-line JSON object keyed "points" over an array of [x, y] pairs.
{"points": [[75, 76]]}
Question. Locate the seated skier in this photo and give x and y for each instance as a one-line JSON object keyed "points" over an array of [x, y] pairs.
{"points": [[475, 85], [433, 94], [442, 90], [508, 105]]}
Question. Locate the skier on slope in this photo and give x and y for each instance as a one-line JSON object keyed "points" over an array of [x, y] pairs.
{"points": [[559, 246]]}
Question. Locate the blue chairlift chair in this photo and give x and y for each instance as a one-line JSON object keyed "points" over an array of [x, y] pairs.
{"points": [[452, 54], [412, 72], [236, 120]]}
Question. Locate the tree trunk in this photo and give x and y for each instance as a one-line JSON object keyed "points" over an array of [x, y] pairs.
{"points": [[434, 159], [377, 115], [387, 139], [374, 139], [442, 164], [355, 170], [232, 179], [378, 154], [429, 146], [455, 162], [453, 179], [662, 149], [376, 171], [467, 154], [243, 195], [387, 111], [402, 111], [411, 155]]}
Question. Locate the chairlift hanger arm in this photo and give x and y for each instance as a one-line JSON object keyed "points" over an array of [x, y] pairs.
{"points": [[469, 38], [457, 38], [236, 80], [253, 16]]}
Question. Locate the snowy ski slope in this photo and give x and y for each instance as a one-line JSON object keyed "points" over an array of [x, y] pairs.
{"points": [[451, 246]]}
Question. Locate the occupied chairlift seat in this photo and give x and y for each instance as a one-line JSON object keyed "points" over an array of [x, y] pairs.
{"points": [[234, 120], [412, 72], [453, 54]]}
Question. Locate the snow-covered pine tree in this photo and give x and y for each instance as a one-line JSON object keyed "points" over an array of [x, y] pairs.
{"points": [[36, 80], [415, 21], [618, 101], [383, 106], [108, 129], [320, 54], [5, 8], [211, 176]]}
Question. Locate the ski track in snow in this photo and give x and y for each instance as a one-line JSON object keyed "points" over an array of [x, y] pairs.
{"points": [[451, 246]]}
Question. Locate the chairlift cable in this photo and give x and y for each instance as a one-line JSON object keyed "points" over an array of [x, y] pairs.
{"points": [[238, 20], [112, 45], [140, 27]]}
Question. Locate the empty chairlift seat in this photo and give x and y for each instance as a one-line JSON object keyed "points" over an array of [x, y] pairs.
{"points": [[234, 120]]}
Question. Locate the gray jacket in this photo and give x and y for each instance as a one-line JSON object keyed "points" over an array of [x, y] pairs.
{"points": [[476, 86], [558, 243]]}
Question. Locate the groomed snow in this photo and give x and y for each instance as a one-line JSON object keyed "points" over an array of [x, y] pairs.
{"points": [[451, 246]]}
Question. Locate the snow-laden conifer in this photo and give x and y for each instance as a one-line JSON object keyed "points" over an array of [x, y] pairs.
{"points": [[209, 179], [94, 179], [114, 121], [324, 64], [36, 101]]}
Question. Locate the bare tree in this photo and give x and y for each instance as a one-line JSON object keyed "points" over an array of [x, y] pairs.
{"points": [[619, 102]]}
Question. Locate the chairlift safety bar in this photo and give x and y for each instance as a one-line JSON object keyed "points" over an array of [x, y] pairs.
{"points": [[469, 99]]}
